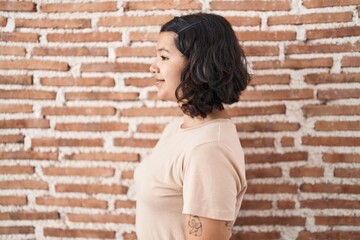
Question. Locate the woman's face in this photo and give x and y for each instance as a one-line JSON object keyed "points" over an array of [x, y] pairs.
{"points": [[168, 66]]}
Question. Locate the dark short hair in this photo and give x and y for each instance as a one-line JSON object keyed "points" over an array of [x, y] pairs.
{"points": [[216, 68]]}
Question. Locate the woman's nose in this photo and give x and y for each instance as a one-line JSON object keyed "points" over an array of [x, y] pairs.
{"points": [[154, 69]]}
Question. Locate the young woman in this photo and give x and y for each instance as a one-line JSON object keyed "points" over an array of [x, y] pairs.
{"points": [[192, 185]]}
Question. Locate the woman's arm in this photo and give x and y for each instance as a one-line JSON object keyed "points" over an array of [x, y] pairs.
{"points": [[201, 228]]}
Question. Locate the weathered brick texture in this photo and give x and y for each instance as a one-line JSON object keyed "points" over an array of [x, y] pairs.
{"points": [[78, 112]]}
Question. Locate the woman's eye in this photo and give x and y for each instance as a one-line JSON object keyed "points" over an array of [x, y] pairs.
{"points": [[164, 58]]}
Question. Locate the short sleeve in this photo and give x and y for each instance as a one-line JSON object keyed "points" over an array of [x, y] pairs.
{"points": [[211, 182]]}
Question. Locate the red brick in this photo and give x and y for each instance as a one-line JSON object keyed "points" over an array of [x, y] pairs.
{"points": [[24, 123], [27, 215], [92, 127], [265, 35], [79, 7], [326, 3], [16, 80], [13, 51], [17, 6], [348, 61], [247, 5], [24, 184], [338, 94], [341, 158], [87, 111], [310, 18], [69, 81], [81, 171], [261, 50], [28, 170], [125, 204], [19, 37], [306, 172], [271, 188], [25, 155], [337, 126], [66, 142], [330, 188], [256, 205], [13, 200], [328, 235], [143, 36], [115, 67], [336, 110], [267, 127], [125, 21], [16, 108], [264, 110], [255, 235], [243, 20], [12, 138], [286, 204], [103, 156], [294, 63], [347, 172], [72, 202], [150, 128], [262, 95], [27, 94], [34, 65], [263, 173], [332, 78], [91, 188], [135, 52], [3, 22], [102, 218], [135, 142], [331, 141], [276, 157], [78, 233], [287, 141], [102, 96], [8, 230], [321, 48], [53, 23], [129, 236], [270, 79], [283, 221], [71, 51], [337, 221], [127, 174], [139, 82], [257, 142], [162, 5], [333, 33], [85, 37], [330, 203], [150, 112]]}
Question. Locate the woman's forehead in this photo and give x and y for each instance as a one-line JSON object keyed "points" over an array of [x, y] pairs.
{"points": [[166, 41]]}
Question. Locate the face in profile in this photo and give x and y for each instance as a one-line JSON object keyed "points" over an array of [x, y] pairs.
{"points": [[167, 66]]}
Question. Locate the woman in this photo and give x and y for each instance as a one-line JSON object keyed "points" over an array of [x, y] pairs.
{"points": [[192, 185]]}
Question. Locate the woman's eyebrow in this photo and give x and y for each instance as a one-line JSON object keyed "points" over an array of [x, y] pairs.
{"points": [[163, 49]]}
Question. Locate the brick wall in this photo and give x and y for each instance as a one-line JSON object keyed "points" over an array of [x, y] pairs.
{"points": [[78, 113]]}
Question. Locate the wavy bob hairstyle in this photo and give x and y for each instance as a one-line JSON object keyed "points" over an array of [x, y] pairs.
{"points": [[216, 69]]}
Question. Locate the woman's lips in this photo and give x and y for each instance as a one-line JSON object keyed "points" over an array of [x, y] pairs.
{"points": [[159, 82]]}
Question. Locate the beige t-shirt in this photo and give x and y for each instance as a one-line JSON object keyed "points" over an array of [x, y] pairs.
{"points": [[198, 170]]}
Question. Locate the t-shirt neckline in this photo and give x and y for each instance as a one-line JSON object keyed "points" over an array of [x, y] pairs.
{"points": [[180, 129]]}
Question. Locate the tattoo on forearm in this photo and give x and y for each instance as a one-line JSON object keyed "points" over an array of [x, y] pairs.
{"points": [[229, 225], [195, 226]]}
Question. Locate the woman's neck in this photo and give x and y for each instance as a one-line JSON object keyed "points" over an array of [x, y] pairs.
{"points": [[215, 114]]}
